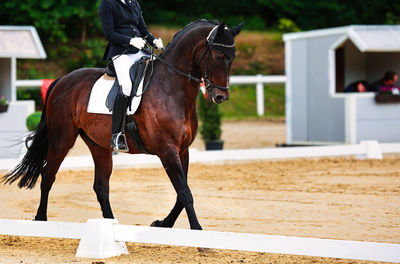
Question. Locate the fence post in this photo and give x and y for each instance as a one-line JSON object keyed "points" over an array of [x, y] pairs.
{"points": [[260, 95]]}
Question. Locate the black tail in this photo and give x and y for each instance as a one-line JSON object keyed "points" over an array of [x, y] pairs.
{"points": [[35, 159]]}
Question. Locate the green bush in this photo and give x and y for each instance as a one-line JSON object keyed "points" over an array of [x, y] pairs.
{"points": [[33, 120], [287, 25], [210, 117], [31, 94]]}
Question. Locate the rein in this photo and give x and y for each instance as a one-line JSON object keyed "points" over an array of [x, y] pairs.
{"points": [[152, 54], [206, 80]]}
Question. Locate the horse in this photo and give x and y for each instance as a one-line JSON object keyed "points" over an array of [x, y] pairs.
{"points": [[203, 51]]}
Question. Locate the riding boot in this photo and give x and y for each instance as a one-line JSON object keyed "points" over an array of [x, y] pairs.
{"points": [[118, 139]]}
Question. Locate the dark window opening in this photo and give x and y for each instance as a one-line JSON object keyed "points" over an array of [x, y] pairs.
{"points": [[340, 69]]}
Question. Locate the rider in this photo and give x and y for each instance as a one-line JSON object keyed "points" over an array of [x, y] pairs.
{"points": [[127, 33]]}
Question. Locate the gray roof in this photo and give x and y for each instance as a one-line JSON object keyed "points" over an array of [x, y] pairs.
{"points": [[377, 38], [20, 42]]}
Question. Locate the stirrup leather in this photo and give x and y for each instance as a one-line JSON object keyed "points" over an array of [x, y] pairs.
{"points": [[117, 145]]}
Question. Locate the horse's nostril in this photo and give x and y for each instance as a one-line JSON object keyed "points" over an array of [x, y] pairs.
{"points": [[219, 98]]}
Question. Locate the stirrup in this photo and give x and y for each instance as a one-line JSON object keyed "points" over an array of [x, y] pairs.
{"points": [[120, 146]]}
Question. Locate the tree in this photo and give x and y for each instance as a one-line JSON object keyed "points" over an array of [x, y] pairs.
{"points": [[56, 20]]}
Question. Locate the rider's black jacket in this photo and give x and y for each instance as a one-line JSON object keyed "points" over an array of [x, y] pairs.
{"points": [[121, 22]]}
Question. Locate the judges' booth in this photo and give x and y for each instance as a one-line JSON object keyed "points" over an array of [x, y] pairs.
{"points": [[16, 42], [320, 64]]}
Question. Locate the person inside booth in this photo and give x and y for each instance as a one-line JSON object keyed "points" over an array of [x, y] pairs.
{"points": [[357, 87], [386, 84]]}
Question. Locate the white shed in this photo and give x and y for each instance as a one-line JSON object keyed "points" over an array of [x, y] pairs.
{"points": [[320, 64], [16, 42]]}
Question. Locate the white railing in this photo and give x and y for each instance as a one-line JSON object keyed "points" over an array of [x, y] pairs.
{"points": [[104, 238], [28, 83], [364, 150], [259, 80]]}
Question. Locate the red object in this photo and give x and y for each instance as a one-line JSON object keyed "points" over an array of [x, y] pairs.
{"points": [[45, 86], [203, 88]]}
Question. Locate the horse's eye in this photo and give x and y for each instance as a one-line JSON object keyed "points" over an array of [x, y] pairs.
{"points": [[219, 57]]}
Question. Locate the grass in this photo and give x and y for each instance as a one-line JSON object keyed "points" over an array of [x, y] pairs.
{"points": [[243, 103]]}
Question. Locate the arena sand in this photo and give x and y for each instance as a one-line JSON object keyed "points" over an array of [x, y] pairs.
{"points": [[338, 198]]}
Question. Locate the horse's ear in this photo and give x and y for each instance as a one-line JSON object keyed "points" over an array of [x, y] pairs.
{"points": [[220, 31], [236, 30]]}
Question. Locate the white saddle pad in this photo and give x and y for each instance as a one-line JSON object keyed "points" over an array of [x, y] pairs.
{"points": [[100, 90]]}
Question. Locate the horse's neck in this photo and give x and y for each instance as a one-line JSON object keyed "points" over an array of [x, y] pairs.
{"points": [[183, 56], [180, 85]]}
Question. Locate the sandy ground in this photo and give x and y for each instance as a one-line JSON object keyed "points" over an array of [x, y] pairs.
{"points": [[338, 198]]}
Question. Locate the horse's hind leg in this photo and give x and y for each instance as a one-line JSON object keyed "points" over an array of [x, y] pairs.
{"points": [[103, 168], [58, 149], [169, 221]]}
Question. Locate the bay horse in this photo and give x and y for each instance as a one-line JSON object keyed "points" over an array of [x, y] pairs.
{"points": [[166, 119]]}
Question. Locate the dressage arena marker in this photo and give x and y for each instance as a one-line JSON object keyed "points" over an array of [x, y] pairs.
{"points": [[104, 238]]}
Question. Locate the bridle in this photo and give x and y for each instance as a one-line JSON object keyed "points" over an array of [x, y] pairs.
{"points": [[209, 85], [206, 78]]}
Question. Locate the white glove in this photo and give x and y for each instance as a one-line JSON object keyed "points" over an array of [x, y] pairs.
{"points": [[137, 42], [158, 43]]}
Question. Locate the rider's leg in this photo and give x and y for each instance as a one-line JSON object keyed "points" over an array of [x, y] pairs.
{"points": [[122, 65], [118, 139]]}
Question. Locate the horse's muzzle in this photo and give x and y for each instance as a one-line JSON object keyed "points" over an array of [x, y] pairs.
{"points": [[219, 98]]}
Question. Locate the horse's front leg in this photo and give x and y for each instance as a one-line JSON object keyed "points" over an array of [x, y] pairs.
{"points": [[176, 173], [169, 221]]}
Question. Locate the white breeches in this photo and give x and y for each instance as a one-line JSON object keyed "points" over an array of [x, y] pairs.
{"points": [[122, 64]]}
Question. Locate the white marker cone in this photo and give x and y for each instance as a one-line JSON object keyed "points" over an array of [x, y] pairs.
{"points": [[98, 240], [372, 150]]}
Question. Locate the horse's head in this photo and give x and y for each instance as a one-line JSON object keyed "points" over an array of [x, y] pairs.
{"points": [[216, 60]]}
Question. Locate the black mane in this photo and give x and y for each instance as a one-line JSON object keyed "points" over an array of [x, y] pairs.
{"points": [[187, 28]]}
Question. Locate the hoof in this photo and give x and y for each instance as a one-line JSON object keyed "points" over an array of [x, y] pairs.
{"points": [[39, 219], [204, 250], [157, 223]]}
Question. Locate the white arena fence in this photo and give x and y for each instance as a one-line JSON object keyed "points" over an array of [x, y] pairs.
{"points": [[104, 238], [364, 150], [259, 80]]}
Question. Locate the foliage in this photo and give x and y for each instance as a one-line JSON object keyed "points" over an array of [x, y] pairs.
{"points": [[3, 100], [33, 120], [57, 20], [88, 54], [31, 94], [287, 25], [210, 117]]}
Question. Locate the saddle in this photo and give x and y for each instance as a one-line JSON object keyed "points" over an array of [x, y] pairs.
{"points": [[137, 72]]}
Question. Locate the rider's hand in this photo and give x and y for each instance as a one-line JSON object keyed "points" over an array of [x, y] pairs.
{"points": [[137, 42], [158, 43]]}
